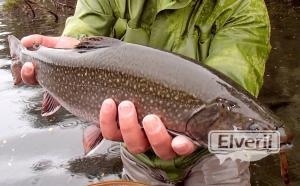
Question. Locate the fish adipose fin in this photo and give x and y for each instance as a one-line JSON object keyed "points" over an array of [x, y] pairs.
{"points": [[97, 42], [49, 105]]}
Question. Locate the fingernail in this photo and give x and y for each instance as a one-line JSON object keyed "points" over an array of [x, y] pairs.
{"points": [[151, 124], [107, 105], [182, 147], [126, 107], [28, 68]]}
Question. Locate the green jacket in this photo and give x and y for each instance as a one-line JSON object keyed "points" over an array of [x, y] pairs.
{"points": [[232, 36]]}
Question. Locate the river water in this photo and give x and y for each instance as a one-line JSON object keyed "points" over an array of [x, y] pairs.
{"points": [[48, 151]]}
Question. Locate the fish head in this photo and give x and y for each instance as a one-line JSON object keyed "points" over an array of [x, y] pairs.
{"points": [[215, 118]]}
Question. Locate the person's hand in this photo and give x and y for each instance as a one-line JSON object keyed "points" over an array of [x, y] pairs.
{"points": [[27, 71], [135, 138]]}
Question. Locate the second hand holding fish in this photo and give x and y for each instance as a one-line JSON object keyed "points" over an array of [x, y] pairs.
{"points": [[136, 140]]}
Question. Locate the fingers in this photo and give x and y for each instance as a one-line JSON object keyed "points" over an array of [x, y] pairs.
{"points": [[132, 133], [46, 41], [108, 124], [28, 74], [158, 136], [66, 42], [27, 71], [135, 139], [183, 146]]}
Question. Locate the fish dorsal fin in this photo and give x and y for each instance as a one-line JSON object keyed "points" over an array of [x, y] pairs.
{"points": [[97, 42], [49, 105]]}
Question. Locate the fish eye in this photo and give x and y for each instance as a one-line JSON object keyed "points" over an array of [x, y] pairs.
{"points": [[255, 126]]}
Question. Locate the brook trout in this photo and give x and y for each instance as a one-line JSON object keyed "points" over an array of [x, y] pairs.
{"points": [[190, 98], [118, 183]]}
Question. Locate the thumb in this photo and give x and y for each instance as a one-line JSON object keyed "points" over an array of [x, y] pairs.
{"points": [[46, 41], [183, 146], [28, 73], [66, 42]]}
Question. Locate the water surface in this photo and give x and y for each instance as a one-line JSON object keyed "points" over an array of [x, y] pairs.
{"points": [[35, 150]]}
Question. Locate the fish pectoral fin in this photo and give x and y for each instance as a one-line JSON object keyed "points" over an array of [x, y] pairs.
{"points": [[49, 105], [97, 42]]}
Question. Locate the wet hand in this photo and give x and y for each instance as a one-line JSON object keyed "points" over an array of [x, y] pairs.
{"points": [[27, 71], [135, 138]]}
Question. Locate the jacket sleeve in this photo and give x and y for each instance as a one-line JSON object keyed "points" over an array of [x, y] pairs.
{"points": [[91, 18], [241, 45]]}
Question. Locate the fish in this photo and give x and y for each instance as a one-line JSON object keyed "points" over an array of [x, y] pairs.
{"points": [[191, 98], [118, 183]]}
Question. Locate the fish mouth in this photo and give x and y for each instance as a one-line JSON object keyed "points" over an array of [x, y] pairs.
{"points": [[286, 138], [285, 147]]}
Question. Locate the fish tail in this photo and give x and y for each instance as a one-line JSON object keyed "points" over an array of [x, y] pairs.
{"points": [[16, 48]]}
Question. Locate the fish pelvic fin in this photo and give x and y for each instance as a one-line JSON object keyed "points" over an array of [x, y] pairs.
{"points": [[91, 137], [50, 105]]}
